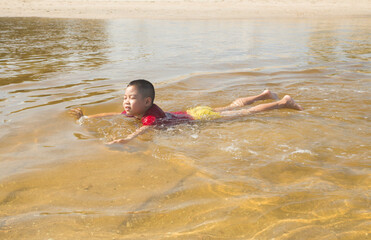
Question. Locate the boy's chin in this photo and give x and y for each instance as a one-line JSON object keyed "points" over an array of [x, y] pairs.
{"points": [[130, 114]]}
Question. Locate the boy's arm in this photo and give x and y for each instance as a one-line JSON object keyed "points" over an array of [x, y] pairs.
{"points": [[103, 115], [138, 132], [77, 113]]}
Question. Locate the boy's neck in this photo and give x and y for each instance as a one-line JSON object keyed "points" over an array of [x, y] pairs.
{"points": [[141, 115]]}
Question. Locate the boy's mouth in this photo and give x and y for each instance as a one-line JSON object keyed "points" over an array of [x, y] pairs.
{"points": [[127, 108]]}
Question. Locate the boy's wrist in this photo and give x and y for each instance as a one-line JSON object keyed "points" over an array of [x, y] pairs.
{"points": [[82, 119]]}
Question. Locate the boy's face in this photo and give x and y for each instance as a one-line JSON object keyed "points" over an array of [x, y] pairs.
{"points": [[134, 103]]}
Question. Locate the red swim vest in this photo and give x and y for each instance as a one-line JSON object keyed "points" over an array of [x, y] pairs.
{"points": [[155, 116]]}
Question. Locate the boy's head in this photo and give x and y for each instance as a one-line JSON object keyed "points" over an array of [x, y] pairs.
{"points": [[139, 97], [144, 87]]}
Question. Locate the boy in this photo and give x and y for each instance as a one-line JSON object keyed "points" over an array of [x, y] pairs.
{"points": [[139, 103]]}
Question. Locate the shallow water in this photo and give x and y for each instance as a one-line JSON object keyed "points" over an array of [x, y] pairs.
{"points": [[276, 175]]}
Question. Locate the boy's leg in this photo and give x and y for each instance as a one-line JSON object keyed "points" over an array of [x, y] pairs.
{"points": [[285, 102], [240, 102]]}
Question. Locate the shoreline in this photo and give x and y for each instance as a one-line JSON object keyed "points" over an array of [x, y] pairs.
{"points": [[183, 9]]}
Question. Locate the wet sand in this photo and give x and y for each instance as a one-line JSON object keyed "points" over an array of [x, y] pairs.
{"points": [[180, 9]]}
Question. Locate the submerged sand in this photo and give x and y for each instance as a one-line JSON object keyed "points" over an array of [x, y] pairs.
{"points": [[183, 9]]}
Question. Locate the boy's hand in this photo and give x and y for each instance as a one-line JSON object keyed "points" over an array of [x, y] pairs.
{"points": [[76, 113], [122, 141]]}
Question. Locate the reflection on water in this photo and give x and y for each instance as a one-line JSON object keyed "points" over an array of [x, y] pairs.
{"points": [[35, 48], [277, 175], [330, 44]]}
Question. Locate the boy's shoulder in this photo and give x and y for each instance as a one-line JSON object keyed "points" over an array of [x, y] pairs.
{"points": [[156, 111], [152, 115]]}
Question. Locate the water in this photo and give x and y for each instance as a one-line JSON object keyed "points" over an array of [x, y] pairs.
{"points": [[277, 175]]}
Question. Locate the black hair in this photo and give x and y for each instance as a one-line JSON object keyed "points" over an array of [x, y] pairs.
{"points": [[144, 87]]}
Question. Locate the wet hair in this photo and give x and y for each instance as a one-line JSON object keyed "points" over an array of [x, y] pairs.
{"points": [[144, 87]]}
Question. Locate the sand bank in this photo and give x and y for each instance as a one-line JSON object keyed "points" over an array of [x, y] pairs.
{"points": [[184, 9]]}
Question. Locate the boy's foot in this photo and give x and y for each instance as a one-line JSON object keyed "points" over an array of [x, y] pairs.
{"points": [[290, 103], [270, 95]]}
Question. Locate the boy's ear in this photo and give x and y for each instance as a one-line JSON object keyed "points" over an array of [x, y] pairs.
{"points": [[148, 101]]}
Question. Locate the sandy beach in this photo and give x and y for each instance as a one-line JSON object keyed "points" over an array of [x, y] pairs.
{"points": [[182, 9]]}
